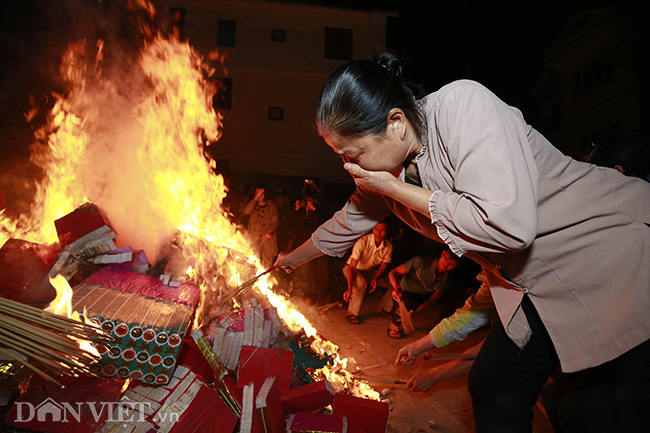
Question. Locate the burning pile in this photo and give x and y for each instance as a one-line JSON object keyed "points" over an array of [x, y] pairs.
{"points": [[137, 151]]}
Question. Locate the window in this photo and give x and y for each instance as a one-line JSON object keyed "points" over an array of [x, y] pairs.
{"points": [[178, 21], [276, 113], [338, 43], [226, 31], [278, 35], [223, 99], [593, 76]]}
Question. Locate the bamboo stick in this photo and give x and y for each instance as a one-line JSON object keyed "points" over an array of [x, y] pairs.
{"points": [[407, 322], [49, 319], [383, 380], [372, 367], [48, 337], [31, 367], [326, 307], [102, 339], [243, 288], [29, 352], [19, 306], [59, 327], [41, 354], [78, 353]]}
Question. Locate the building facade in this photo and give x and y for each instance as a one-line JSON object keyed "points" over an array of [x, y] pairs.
{"points": [[594, 81], [277, 57]]}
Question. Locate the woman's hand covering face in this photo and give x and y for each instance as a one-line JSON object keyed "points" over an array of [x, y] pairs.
{"points": [[378, 181]]}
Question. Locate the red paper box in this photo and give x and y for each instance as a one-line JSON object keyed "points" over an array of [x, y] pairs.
{"points": [[185, 405], [206, 414], [308, 398], [81, 407], [84, 221], [315, 422], [371, 415], [191, 357], [257, 363], [272, 418]]}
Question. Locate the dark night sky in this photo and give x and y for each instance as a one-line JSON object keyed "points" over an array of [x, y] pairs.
{"points": [[499, 44]]}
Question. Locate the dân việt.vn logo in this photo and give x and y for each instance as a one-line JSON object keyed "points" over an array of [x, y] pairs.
{"points": [[122, 411]]}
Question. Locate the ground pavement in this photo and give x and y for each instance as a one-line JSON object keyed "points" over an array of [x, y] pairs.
{"points": [[448, 403]]}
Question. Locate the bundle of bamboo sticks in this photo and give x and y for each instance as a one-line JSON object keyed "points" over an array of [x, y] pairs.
{"points": [[407, 322], [49, 340], [239, 291]]}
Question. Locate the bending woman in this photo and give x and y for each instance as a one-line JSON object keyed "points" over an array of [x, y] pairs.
{"points": [[564, 245]]}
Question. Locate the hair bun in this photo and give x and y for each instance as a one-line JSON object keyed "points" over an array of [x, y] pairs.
{"points": [[390, 62]]}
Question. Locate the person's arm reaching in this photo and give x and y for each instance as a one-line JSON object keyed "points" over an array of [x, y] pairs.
{"points": [[394, 282], [473, 315], [304, 253], [427, 379], [363, 210]]}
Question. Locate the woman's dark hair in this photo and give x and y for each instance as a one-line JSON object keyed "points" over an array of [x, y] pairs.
{"points": [[358, 95]]}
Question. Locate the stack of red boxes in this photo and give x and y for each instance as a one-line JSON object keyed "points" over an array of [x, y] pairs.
{"points": [[265, 375]]}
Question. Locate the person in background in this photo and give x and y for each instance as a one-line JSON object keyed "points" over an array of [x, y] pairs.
{"points": [[477, 312], [284, 211], [309, 281], [262, 223], [370, 256], [417, 280], [564, 245]]}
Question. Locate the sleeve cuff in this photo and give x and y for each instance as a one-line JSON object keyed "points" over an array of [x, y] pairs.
{"points": [[440, 228]]}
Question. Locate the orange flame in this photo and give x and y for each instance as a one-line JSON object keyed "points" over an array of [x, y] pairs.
{"points": [[62, 305], [136, 148]]}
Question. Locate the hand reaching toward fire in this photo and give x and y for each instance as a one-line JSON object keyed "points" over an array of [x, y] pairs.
{"points": [[284, 261], [408, 353], [302, 254], [424, 380]]}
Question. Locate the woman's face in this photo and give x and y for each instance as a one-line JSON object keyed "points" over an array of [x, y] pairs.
{"points": [[371, 152]]}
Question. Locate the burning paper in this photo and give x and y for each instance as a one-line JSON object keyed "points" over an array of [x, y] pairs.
{"points": [[132, 138]]}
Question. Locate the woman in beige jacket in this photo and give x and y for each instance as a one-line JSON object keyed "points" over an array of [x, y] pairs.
{"points": [[565, 245]]}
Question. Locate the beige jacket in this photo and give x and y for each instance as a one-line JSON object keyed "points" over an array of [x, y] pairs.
{"points": [[574, 236]]}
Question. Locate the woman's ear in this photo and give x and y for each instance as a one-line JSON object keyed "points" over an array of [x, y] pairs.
{"points": [[397, 121]]}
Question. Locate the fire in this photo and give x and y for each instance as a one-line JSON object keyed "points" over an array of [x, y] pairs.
{"points": [[136, 145], [62, 305]]}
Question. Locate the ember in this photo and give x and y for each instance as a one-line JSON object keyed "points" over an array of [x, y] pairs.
{"points": [[133, 161]]}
